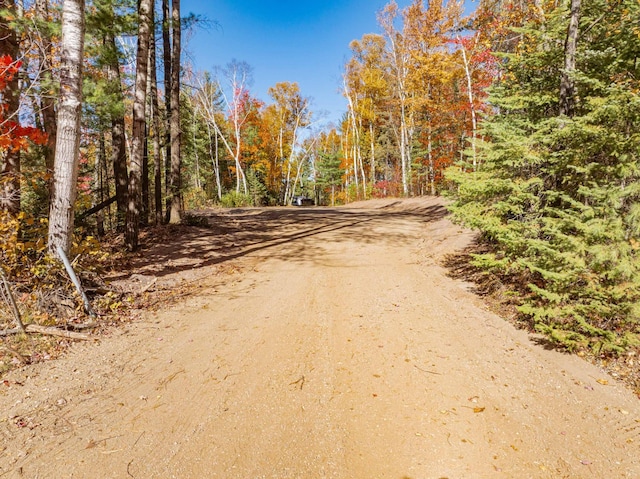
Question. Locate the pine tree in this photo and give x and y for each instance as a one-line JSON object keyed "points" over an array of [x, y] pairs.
{"points": [[329, 175], [559, 183]]}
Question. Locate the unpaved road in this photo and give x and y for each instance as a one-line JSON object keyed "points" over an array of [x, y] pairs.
{"points": [[342, 350]]}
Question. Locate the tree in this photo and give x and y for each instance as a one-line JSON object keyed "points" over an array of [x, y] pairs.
{"points": [[175, 212], [155, 114], [399, 60], [433, 80], [370, 71], [61, 218], [10, 157], [209, 106], [293, 113], [558, 186], [238, 75], [106, 95], [567, 84], [47, 94], [329, 173], [139, 126]]}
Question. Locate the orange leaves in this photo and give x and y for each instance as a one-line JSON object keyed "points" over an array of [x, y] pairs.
{"points": [[13, 136], [8, 69]]}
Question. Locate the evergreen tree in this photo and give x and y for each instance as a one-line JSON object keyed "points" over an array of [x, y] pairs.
{"points": [[330, 172], [558, 188]]}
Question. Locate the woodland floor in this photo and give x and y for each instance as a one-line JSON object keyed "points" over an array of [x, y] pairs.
{"points": [[315, 343]]}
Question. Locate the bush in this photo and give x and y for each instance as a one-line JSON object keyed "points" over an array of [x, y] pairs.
{"points": [[233, 199]]}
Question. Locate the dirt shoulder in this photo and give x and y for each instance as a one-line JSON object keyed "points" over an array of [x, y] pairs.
{"points": [[321, 343]]}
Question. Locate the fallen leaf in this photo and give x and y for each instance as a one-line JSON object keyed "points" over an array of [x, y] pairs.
{"points": [[478, 409], [604, 382]]}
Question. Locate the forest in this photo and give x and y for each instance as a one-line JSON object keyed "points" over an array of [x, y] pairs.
{"points": [[525, 114]]}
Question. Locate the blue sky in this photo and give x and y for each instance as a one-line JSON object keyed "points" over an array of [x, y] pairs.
{"points": [[297, 41]]}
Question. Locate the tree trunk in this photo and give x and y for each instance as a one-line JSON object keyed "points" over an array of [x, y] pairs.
{"points": [[372, 164], [144, 212], [10, 159], [138, 134], [567, 84], [175, 180], [65, 174], [98, 184], [215, 159], [166, 55], [155, 114], [47, 99], [472, 108], [197, 184], [118, 140]]}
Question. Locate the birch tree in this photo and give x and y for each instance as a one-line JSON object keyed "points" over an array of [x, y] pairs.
{"points": [[293, 112], [61, 218], [238, 76], [399, 61], [368, 63], [472, 108], [208, 107]]}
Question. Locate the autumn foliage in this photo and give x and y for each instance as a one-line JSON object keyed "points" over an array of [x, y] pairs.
{"points": [[13, 136]]}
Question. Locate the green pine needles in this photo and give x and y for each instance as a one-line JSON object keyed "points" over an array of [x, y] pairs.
{"points": [[557, 195]]}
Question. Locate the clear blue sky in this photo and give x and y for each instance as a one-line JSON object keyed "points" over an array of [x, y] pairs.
{"points": [[299, 41]]}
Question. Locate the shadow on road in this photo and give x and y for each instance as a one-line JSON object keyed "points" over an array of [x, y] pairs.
{"points": [[288, 234]]}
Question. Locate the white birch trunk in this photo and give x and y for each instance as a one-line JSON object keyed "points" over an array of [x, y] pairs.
{"points": [[65, 171], [474, 121]]}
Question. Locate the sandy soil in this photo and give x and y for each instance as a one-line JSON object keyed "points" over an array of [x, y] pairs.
{"points": [[340, 349]]}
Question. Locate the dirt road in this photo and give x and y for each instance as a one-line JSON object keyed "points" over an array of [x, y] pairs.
{"points": [[342, 350]]}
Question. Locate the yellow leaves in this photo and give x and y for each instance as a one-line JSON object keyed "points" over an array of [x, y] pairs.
{"points": [[604, 382]]}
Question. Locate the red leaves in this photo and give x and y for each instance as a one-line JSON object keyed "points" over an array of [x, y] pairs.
{"points": [[16, 137], [8, 68], [13, 136]]}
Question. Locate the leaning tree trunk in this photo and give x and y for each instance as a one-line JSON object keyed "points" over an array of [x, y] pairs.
{"points": [[132, 229], [10, 159], [567, 83], [65, 171], [175, 215]]}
